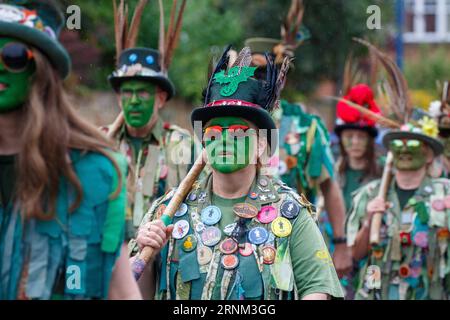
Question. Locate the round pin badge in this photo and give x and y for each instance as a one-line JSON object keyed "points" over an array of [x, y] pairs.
{"points": [[192, 196], [267, 214], [253, 195], [180, 229], [245, 210], [189, 243], [211, 236], [281, 227], [228, 230], [263, 182], [182, 210], [204, 255], [211, 215], [247, 250], [202, 197], [258, 235], [230, 261], [228, 246], [268, 253], [438, 205], [290, 209]]}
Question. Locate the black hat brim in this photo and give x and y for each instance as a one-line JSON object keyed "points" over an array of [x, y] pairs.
{"points": [[372, 131], [163, 82], [55, 51], [258, 117], [434, 144]]}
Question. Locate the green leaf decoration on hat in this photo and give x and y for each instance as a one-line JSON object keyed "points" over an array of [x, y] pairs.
{"points": [[233, 79]]}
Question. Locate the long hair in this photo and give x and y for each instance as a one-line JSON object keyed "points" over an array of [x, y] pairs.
{"points": [[49, 128], [371, 169]]}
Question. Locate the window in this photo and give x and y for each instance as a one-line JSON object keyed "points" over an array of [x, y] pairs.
{"points": [[448, 16], [409, 15], [430, 15], [427, 21]]}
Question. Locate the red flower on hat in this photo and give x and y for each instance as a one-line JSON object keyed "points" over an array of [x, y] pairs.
{"points": [[360, 94]]}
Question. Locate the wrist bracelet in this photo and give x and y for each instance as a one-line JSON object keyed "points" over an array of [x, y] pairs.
{"points": [[339, 240]]}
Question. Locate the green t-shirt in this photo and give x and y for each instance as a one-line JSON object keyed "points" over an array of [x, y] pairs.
{"points": [[404, 195], [7, 179], [312, 264], [352, 182]]}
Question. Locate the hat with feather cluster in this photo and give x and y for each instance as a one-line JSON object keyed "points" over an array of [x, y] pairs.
{"points": [[397, 111], [233, 91], [146, 64]]}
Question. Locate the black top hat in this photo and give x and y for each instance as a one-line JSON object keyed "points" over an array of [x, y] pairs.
{"points": [[234, 91], [141, 64]]}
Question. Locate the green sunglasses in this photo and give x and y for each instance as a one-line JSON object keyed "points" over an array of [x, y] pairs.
{"points": [[398, 144]]}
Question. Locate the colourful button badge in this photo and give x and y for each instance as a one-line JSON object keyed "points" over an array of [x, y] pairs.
{"points": [[281, 227], [258, 235], [267, 214], [211, 215], [180, 229], [211, 236]]}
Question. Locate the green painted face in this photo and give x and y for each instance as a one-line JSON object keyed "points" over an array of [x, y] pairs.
{"points": [[14, 86], [230, 144], [408, 154], [138, 102]]}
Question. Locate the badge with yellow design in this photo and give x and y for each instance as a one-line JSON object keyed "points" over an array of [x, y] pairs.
{"points": [[189, 244], [281, 227]]}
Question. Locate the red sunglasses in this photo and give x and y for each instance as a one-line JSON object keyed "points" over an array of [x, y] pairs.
{"points": [[215, 132]]}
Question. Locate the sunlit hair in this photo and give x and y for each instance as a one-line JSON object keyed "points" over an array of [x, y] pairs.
{"points": [[49, 128]]}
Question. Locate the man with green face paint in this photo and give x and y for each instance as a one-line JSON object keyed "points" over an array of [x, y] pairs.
{"points": [[239, 233], [158, 153], [411, 255]]}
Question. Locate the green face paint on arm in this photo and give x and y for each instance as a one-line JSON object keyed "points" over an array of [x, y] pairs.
{"points": [[226, 153], [14, 86], [138, 101]]}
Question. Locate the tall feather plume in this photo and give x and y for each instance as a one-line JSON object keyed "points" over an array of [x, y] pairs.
{"points": [[162, 37], [348, 80], [244, 58], [126, 34], [271, 83], [223, 61], [292, 24], [171, 38], [397, 85], [136, 23], [281, 80]]}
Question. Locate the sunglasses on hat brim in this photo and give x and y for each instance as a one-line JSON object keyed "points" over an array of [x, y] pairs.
{"points": [[15, 57]]}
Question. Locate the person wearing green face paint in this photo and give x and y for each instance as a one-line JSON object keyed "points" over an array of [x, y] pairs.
{"points": [[305, 161], [158, 153], [410, 261], [62, 185], [239, 234]]}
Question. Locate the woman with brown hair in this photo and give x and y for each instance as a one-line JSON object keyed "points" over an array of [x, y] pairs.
{"points": [[62, 194], [357, 163]]}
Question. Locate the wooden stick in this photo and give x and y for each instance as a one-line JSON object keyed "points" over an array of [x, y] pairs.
{"points": [[384, 187], [139, 264], [116, 125]]}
